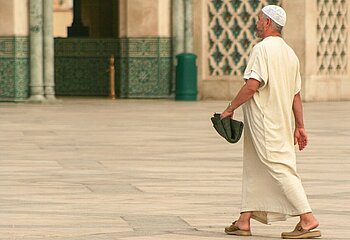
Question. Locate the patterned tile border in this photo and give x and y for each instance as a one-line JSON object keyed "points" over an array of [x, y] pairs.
{"points": [[86, 47], [14, 68]]}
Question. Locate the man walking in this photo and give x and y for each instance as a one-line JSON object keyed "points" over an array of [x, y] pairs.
{"points": [[272, 190]]}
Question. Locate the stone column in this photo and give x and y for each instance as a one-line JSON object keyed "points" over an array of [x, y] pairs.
{"points": [[36, 51], [178, 31], [178, 26], [188, 26], [49, 50]]}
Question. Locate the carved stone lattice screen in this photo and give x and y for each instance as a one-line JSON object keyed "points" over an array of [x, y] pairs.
{"points": [[332, 34], [231, 34]]}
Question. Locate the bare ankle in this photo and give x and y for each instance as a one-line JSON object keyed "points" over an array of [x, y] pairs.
{"points": [[243, 224], [308, 221]]}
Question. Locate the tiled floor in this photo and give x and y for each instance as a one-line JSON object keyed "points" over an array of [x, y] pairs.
{"points": [[150, 169]]}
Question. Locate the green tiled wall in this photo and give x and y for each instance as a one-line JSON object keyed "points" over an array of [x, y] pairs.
{"points": [[147, 63], [143, 66], [14, 68], [81, 66]]}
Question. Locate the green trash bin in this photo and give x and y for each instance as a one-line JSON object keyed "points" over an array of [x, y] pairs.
{"points": [[186, 77]]}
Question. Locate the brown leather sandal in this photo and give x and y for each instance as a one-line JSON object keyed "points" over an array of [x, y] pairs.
{"points": [[300, 233], [234, 230]]}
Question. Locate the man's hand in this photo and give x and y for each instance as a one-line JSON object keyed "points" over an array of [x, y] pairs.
{"points": [[300, 137], [227, 113], [246, 93]]}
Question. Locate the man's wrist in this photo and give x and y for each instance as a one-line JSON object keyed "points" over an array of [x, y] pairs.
{"points": [[230, 107]]}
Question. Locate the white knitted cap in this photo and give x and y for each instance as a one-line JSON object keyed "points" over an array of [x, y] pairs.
{"points": [[276, 13]]}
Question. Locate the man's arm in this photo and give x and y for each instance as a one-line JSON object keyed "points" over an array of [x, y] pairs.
{"points": [[300, 135], [246, 92]]}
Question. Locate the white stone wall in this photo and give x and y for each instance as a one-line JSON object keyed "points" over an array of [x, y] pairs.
{"points": [[316, 30]]}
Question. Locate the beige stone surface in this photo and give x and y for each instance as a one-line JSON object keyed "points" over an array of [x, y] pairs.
{"points": [[7, 23], [297, 39], [62, 20], [213, 89], [142, 18], [150, 169], [14, 17], [164, 18], [123, 27], [219, 89], [21, 16]]}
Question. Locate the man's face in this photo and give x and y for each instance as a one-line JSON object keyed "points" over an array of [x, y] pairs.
{"points": [[260, 26]]}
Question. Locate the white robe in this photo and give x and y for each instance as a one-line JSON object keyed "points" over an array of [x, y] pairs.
{"points": [[272, 189]]}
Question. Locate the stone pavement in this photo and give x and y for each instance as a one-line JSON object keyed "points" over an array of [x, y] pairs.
{"points": [[90, 169]]}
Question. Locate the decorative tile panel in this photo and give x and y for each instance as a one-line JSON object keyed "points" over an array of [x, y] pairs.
{"points": [[21, 78], [22, 48], [81, 65], [231, 34], [143, 66], [143, 47], [86, 76], [14, 68], [143, 74], [7, 47], [332, 36], [165, 47], [148, 64], [7, 78], [86, 47], [165, 73]]}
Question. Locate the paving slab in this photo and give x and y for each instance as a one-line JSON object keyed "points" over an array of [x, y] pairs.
{"points": [[94, 168]]}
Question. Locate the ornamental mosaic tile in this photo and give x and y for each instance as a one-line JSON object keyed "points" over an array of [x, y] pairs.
{"points": [[14, 68], [332, 35], [231, 34], [7, 77], [143, 47], [122, 85], [81, 76], [147, 66], [86, 47], [142, 66], [143, 80], [21, 78], [165, 47], [7, 47]]}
